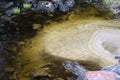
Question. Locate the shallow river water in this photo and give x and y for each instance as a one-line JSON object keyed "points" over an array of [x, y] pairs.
{"points": [[63, 41]]}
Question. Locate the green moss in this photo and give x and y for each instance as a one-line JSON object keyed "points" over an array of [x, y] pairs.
{"points": [[110, 2], [16, 10], [27, 5]]}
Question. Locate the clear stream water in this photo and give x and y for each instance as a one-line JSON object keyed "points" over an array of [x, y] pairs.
{"points": [[33, 57]]}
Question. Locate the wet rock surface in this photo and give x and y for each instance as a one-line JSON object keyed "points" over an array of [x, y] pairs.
{"points": [[110, 72]]}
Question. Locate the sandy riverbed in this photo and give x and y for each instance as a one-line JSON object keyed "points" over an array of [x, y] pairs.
{"points": [[70, 39]]}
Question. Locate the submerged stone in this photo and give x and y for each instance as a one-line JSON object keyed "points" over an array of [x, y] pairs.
{"points": [[113, 68], [84, 74]]}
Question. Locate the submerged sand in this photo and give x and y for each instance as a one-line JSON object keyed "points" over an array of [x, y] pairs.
{"points": [[106, 42], [72, 40]]}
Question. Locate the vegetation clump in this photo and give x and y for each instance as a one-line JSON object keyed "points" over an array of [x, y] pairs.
{"points": [[16, 10], [27, 5]]}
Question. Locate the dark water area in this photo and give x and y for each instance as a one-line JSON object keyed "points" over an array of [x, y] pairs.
{"points": [[15, 36]]}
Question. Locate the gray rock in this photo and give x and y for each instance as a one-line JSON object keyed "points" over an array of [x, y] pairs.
{"points": [[9, 12], [113, 68], [9, 4], [116, 10], [57, 2], [45, 6], [75, 68], [63, 8], [70, 3], [80, 71]]}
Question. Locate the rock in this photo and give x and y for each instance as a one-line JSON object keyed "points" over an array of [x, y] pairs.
{"points": [[75, 68], [114, 68], [84, 74], [57, 2], [70, 3], [9, 12], [9, 4], [45, 6], [63, 8]]}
